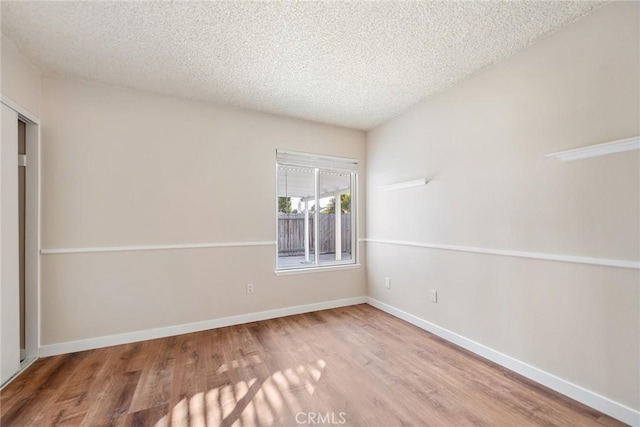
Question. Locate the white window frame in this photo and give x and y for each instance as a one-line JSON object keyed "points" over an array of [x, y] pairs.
{"points": [[319, 162]]}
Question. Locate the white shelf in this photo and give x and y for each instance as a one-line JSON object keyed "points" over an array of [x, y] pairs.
{"points": [[406, 184], [598, 149]]}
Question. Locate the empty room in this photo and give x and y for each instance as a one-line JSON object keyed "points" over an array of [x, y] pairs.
{"points": [[299, 213]]}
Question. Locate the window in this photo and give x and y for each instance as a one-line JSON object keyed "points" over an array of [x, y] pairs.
{"points": [[316, 197]]}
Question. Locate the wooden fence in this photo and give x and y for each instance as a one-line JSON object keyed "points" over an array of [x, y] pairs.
{"points": [[291, 233]]}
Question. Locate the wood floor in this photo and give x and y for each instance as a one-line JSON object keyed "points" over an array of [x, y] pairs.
{"points": [[353, 366]]}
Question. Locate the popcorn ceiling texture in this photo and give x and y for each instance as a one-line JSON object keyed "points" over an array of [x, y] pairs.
{"points": [[354, 64]]}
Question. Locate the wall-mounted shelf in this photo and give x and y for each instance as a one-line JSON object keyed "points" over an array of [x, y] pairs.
{"points": [[598, 149], [406, 184]]}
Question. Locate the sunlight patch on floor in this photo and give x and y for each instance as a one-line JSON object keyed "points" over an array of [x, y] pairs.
{"points": [[257, 402]]}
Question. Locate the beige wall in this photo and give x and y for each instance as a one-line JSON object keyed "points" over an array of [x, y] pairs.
{"points": [[483, 142], [20, 79], [123, 167]]}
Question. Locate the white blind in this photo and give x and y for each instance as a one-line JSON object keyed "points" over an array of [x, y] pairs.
{"points": [[293, 158]]}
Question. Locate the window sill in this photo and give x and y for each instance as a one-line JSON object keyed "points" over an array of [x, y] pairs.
{"points": [[315, 269]]}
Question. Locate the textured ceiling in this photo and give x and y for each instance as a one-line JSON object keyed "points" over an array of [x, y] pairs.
{"points": [[354, 64]]}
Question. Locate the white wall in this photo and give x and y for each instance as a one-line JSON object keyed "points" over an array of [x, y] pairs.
{"points": [[483, 142], [20, 79], [123, 167]]}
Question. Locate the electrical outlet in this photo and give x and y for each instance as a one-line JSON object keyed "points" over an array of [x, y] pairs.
{"points": [[249, 288], [387, 283], [434, 295]]}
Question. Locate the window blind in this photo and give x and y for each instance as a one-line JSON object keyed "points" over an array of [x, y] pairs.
{"points": [[293, 158]]}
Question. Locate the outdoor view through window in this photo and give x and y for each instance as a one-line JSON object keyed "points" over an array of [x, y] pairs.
{"points": [[316, 197]]}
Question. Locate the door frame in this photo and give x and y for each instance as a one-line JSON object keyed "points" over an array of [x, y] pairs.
{"points": [[32, 232]]}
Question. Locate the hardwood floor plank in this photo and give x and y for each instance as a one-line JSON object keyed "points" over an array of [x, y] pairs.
{"points": [[147, 417], [355, 364], [115, 400]]}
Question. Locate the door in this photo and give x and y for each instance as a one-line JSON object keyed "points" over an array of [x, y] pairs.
{"points": [[9, 244]]}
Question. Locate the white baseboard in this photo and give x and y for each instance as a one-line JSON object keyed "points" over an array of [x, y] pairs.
{"points": [[129, 337], [582, 395]]}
